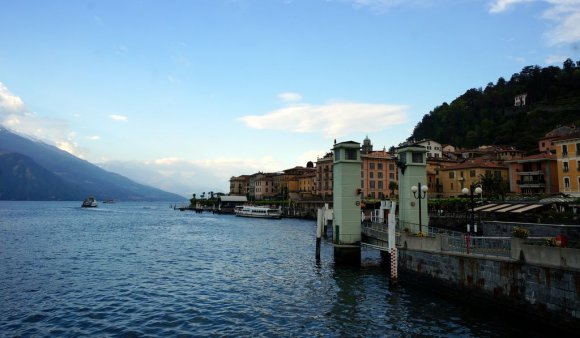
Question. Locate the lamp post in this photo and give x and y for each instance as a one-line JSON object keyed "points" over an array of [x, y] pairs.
{"points": [[419, 192], [473, 190]]}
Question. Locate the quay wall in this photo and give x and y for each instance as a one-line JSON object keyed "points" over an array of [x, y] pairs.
{"points": [[496, 228], [548, 291]]}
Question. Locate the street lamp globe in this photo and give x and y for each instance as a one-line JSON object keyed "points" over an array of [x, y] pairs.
{"points": [[414, 189], [424, 188], [478, 190], [465, 191]]}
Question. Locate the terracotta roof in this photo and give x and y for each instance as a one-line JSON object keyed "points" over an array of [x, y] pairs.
{"points": [[535, 157], [561, 131], [382, 154], [475, 164]]}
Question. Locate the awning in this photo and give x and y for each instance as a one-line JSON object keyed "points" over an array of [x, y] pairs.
{"points": [[529, 207], [484, 207], [499, 206], [512, 207]]}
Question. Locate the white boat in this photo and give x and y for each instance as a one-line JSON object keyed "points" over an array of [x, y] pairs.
{"points": [[258, 211], [89, 202]]}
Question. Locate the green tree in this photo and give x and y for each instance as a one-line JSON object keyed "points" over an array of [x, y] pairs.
{"points": [[393, 186], [493, 186]]}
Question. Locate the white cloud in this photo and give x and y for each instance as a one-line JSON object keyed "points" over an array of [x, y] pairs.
{"points": [[565, 14], [94, 138], [499, 6], [332, 120], [290, 97], [555, 59], [120, 118], [380, 6], [9, 103], [185, 177], [311, 155], [518, 59], [15, 115]]}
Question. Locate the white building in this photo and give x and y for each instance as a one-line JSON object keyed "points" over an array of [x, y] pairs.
{"points": [[434, 148]]}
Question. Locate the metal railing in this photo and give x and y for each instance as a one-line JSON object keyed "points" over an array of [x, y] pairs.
{"points": [[489, 246], [451, 241]]}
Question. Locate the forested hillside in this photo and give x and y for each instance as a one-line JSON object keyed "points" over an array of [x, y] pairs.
{"points": [[488, 115]]}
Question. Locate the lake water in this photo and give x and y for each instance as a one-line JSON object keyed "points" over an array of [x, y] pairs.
{"points": [[143, 269]]}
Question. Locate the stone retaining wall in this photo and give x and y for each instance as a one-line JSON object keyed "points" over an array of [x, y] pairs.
{"points": [[549, 290]]}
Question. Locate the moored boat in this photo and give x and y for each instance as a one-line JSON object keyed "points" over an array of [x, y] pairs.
{"points": [[258, 212], [90, 202]]}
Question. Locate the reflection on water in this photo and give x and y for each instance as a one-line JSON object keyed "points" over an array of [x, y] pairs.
{"points": [[144, 269]]}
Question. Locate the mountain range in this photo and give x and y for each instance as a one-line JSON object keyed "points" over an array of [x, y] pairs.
{"points": [[33, 170]]}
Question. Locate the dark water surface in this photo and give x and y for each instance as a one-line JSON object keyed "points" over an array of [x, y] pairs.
{"points": [[143, 269]]}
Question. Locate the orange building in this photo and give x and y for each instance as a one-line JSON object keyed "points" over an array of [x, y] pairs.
{"points": [[535, 174], [568, 159], [379, 169], [323, 179]]}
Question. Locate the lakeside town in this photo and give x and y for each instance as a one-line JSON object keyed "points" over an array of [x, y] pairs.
{"points": [[503, 173]]}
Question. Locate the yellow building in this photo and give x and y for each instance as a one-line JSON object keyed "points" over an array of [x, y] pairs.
{"points": [[454, 178], [239, 185], [307, 185], [568, 159]]}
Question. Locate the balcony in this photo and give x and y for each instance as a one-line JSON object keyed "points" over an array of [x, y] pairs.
{"points": [[531, 184], [530, 173]]}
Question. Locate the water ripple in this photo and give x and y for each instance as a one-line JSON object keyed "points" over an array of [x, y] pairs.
{"points": [[132, 271]]}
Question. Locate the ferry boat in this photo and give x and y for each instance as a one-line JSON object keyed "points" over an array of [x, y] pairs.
{"points": [[258, 211], [89, 202]]}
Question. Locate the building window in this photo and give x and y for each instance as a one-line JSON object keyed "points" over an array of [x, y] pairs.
{"points": [[372, 184], [417, 157], [372, 165], [380, 174], [578, 166], [452, 174], [566, 168], [351, 154], [391, 175], [577, 149], [451, 186], [567, 182], [379, 166], [564, 150], [497, 173], [371, 175], [380, 184], [472, 173], [391, 166]]}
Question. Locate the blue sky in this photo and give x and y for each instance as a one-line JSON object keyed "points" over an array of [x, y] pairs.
{"points": [[183, 95]]}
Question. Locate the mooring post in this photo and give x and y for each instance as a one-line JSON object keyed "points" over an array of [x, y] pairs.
{"points": [[319, 220], [392, 239]]}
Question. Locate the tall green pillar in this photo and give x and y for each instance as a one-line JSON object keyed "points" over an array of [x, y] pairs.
{"points": [[346, 199], [412, 166]]}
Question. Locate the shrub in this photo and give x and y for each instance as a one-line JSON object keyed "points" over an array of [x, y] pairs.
{"points": [[520, 232]]}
